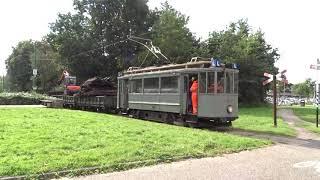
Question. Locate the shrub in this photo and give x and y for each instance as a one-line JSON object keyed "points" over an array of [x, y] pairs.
{"points": [[22, 98]]}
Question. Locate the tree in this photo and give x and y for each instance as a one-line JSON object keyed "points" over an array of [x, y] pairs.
{"points": [[93, 41], [305, 89], [171, 35], [239, 45], [19, 67], [30, 55], [45, 60]]}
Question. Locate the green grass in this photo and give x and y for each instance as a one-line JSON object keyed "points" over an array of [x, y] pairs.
{"points": [[260, 119], [308, 114], [39, 140]]}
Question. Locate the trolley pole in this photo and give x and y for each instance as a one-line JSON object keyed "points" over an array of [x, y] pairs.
{"points": [[274, 101]]}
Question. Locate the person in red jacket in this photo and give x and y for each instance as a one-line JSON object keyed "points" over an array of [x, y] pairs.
{"points": [[194, 95]]}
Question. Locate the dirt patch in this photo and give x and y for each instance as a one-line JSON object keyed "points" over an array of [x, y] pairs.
{"points": [[293, 121]]}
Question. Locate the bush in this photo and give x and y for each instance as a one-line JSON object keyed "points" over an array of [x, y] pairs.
{"points": [[22, 98]]}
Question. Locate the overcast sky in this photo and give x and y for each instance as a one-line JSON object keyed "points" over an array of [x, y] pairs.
{"points": [[291, 26]]}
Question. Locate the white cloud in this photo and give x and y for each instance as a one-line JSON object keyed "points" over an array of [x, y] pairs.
{"points": [[24, 20], [290, 26]]}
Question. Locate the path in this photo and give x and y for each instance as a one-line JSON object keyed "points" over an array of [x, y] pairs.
{"points": [[291, 158]]}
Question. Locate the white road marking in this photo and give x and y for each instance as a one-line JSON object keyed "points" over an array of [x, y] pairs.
{"points": [[309, 164]]}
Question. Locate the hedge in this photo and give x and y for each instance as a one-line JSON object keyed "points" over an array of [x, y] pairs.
{"points": [[22, 98]]}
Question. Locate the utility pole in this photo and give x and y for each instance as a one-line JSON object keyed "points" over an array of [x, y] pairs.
{"points": [[317, 99]]}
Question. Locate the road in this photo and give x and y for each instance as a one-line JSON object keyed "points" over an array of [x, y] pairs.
{"points": [[291, 158]]}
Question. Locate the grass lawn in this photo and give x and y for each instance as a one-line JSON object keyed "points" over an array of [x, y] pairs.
{"points": [[260, 119], [34, 141], [308, 114]]}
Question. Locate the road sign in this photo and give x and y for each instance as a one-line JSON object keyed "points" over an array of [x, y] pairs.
{"points": [[284, 71], [272, 78], [316, 67], [266, 82], [280, 77], [35, 72], [267, 75]]}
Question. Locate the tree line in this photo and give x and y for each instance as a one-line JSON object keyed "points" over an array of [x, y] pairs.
{"points": [[99, 39]]}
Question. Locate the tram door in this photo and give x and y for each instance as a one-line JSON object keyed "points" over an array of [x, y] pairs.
{"points": [[187, 93], [124, 93]]}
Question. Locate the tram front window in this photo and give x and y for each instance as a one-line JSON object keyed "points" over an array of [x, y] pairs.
{"points": [[220, 82], [236, 83], [211, 83], [229, 82]]}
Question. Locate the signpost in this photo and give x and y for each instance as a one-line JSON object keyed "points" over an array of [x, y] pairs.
{"points": [[317, 95], [317, 91], [274, 79]]}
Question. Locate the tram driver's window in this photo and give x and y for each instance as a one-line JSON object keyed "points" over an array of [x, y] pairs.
{"points": [[211, 84], [202, 82], [220, 82], [236, 82], [229, 82]]}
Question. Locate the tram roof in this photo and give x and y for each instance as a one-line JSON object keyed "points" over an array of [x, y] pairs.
{"points": [[190, 67]]}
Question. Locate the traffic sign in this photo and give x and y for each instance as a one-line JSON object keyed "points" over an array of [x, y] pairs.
{"points": [[284, 71], [267, 75], [35, 72], [270, 76], [266, 82], [280, 76], [316, 67]]}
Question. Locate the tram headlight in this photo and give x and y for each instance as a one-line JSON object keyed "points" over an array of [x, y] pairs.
{"points": [[229, 109]]}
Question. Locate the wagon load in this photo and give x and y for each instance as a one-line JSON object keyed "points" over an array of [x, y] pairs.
{"points": [[98, 87]]}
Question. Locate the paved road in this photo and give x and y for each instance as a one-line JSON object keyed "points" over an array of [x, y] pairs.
{"points": [[291, 158]]}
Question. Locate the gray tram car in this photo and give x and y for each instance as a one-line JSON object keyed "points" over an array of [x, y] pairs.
{"points": [[162, 94]]}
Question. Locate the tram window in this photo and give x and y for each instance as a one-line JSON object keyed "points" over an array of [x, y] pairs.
{"points": [[169, 84], [186, 84], [136, 86], [229, 82], [220, 82], [211, 83], [202, 82], [151, 85], [236, 82]]}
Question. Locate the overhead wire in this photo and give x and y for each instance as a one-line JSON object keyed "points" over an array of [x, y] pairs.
{"points": [[112, 44], [151, 48], [105, 46], [144, 59]]}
